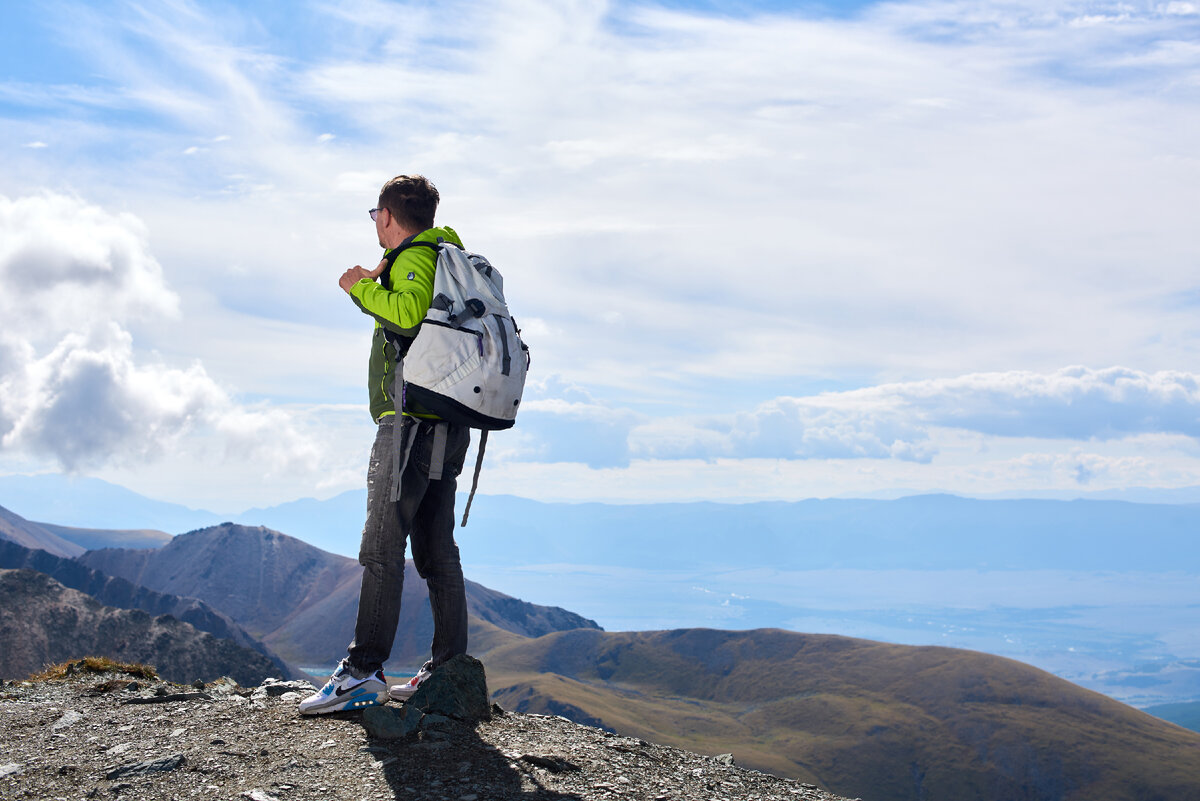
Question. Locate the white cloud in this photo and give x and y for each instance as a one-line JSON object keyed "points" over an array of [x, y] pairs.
{"points": [[68, 265], [73, 388], [698, 216], [897, 420]]}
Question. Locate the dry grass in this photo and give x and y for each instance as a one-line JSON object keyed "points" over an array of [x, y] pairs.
{"points": [[93, 664]]}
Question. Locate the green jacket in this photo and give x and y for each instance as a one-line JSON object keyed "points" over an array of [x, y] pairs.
{"points": [[399, 308]]}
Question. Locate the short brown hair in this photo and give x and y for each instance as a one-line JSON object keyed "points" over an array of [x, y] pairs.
{"points": [[412, 200]]}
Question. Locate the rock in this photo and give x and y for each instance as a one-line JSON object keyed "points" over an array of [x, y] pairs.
{"points": [[11, 769], [551, 763], [456, 689], [724, 759], [258, 795], [273, 687], [149, 766], [390, 723], [69, 718]]}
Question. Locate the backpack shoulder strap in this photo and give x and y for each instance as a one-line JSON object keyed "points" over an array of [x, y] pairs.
{"points": [[385, 278]]}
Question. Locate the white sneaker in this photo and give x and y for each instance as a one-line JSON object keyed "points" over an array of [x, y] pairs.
{"points": [[343, 691], [402, 692]]}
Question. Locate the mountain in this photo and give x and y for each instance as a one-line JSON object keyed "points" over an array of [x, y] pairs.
{"points": [[930, 532], [333, 525], [884, 722], [42, 622], [301, 601], [123, 594], [93, 503], [92, 538], [926, 532], [27, 534]]}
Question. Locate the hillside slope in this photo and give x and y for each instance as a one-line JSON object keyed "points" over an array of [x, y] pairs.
{"points": [[123, 594], [42, 622], [300, 600], [93, 538], [28, 534], [884, 722]]}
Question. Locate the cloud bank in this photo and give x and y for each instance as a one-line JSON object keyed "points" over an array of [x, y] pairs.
{"points": [[895, 420], [73, 388]]}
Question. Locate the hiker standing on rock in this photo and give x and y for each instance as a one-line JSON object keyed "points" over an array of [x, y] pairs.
{"points": [[414, 447]]}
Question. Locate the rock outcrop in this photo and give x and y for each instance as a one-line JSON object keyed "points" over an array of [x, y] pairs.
{"points": [[123, 594], [43, 622], [82, 737]]}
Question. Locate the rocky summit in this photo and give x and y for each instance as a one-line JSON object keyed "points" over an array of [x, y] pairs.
{"points": [[105, 735]]}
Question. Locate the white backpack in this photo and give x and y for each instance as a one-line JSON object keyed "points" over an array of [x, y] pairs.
{"points": [[467, 363]]}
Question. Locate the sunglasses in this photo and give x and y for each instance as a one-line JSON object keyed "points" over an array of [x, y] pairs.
{"points": [[375, 212]]}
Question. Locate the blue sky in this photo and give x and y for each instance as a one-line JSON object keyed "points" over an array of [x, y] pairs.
{"points": [[759, 250]]}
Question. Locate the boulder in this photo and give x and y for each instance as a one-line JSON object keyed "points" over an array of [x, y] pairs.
{"points": [[456, 689]]}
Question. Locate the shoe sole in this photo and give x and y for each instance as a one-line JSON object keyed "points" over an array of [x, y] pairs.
{"points": [[349, 704]]}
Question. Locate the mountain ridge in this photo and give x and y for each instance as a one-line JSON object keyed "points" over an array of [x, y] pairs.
{"points": [[301, 601], [43, 622]]}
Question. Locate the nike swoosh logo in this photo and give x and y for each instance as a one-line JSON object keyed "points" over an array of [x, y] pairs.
{"points": [[349, 690]]}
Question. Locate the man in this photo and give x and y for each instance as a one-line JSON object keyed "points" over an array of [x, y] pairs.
{"points": [[424, 452]]}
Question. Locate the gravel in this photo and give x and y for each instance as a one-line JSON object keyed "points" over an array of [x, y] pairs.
{"points": [[81, 738]]}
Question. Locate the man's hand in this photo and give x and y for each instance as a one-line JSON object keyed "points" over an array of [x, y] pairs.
{"points": [[357, 273]]}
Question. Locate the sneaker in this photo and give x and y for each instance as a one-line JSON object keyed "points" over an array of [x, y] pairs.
{"points": [[344, 691], [402, 692]]}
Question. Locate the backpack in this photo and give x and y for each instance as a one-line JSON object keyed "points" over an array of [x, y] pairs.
{"points": [[467, 363]]}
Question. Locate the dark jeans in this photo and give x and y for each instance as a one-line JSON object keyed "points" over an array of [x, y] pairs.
{"points": [[425, 515]]}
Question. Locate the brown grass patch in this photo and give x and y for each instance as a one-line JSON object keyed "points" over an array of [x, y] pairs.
{"points": [[93, 664]]}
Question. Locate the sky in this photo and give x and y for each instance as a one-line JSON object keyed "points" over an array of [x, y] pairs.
{"points": [[758, 250]]}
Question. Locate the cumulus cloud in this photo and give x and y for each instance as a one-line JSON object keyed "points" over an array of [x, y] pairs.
{"points": [[72, 385], [67, 265], [896, 420]]}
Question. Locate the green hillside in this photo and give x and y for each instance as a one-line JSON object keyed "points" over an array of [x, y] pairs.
{"points": [[884, 722]]}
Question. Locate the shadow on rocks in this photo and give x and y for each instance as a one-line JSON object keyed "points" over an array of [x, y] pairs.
{"points": [[429, 747]]}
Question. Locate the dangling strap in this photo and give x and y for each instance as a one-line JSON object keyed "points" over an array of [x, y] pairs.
{"points": [[475, 479], [437, 457], [401, 450]]}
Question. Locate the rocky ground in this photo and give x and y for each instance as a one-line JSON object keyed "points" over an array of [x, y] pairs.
{"points": [[111, 735]]}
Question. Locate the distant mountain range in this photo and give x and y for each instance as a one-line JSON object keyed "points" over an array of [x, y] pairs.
{"points": [[930, 532]]}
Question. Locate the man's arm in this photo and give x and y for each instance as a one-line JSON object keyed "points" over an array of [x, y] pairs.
{"points": [[357, 273], [400, 310]]}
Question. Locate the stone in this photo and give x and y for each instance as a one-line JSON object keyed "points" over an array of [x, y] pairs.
{"points": [[258, 795], [456, 689], [551, 763], [149, 766], [69, 718], [435, 721], [390, 723], [271, 688], [724, 759], [11, 769]]}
